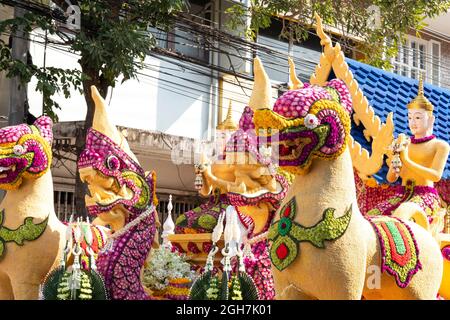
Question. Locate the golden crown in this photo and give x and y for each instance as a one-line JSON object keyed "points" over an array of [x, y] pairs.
{"points": [[421, 102]]}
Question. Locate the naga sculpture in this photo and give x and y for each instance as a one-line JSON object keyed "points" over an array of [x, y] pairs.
{"points": [[122, 196], [30, 232], [244, 177], [322, 246]]}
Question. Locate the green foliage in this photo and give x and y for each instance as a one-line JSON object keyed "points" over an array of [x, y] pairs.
{"points": [[350, 17], [207, 221], [208, 287], [200, 287], [57, 286], [113, 41], [236, 293], [213, 291], [247, 287]]}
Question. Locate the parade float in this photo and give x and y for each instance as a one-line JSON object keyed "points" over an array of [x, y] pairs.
{"points": [[241, 178], [123, 196], [32, 239], [284, 215], [322, 234]]}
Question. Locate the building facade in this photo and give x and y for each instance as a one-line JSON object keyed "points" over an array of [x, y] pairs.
{"points": [[183, 92]]}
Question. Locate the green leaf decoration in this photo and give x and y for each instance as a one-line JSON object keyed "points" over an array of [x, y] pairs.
{"points": [[200, 287], [289, 209], [283, 252], [56, 286], [28, 231], [248, 287], [98, 286], [214, 291], [181, 221], [50, 286], [224, 291], [286, 234], [207, 221]]}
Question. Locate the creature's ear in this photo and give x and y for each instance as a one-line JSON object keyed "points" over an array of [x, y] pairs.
{"points": [[431, 126], [45, 126]]}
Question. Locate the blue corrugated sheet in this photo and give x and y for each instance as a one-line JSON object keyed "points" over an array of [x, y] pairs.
{"points": [[389, 92]]}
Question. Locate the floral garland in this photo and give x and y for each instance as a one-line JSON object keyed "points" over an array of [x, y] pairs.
{"points": [[422, 140]]}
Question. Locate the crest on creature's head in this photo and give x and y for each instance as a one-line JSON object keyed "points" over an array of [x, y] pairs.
{"points": [[112, 172], [25, 152], [306, 122]]}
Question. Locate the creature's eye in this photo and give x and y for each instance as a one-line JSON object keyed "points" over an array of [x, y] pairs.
{"points": [[311, 121], [18, 150], [112, 163]]}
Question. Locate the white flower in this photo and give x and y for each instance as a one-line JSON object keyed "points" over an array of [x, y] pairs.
{"points": [[266, 151], [311, 121], [163, 266], [18, 150]]}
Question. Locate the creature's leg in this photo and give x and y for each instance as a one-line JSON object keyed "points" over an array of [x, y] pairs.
{"points": [[412, 211], [6, 292], [291, 292], [25, 290]]}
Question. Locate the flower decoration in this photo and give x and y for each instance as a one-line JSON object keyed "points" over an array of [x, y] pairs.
{"points": [[165, 265], [311, 121], [446, 253], [18, 150]]}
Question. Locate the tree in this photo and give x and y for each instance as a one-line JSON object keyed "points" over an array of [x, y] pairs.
{"points": [[112, 41], [370, 22]]}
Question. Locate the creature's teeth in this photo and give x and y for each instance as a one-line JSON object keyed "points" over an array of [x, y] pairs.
{"points": [[123, 191], [4, 169], [97, 197], [13, 168]]}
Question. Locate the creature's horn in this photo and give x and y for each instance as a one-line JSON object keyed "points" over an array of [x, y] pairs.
{"points": [[295, 81], [262, 91], [103, 124]]}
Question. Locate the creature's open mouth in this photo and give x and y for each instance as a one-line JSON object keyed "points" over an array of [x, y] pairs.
{"points": [[5, 171], [103, 191], [292, 149], [106, 197], [10, 169]]}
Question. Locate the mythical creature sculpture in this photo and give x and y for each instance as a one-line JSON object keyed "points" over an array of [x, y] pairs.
{"points": [[122, 196], [30, 232], [322, 246], [244, 178]]}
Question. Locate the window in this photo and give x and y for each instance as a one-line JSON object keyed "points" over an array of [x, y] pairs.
{"points": [[435, 50], [182, 38], [64, 204], [418, 56]]}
